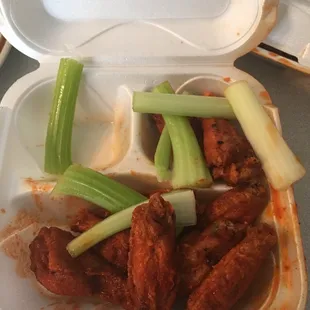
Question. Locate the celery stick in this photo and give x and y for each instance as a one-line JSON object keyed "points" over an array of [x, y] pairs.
{"points": [[96, 188], [59, 131], [189, 166], [184, 205], [163, 88], [162, 156], [281, 166], [163, 151], [182, 105]]}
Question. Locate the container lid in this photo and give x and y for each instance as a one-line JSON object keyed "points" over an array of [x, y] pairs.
{"points": [[291, 34], [137, 30]]}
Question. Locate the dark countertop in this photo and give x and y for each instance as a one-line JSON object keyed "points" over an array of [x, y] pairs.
{"points": [[289, 89]]}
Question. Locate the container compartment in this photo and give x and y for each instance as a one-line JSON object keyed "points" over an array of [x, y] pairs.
{"points": [[101, 131]]}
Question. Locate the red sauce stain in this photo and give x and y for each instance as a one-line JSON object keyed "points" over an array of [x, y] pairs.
{"points": [[285, 261], [208, 94], [265, 95], [37, 188], [278, 208], [268, 211], [227, 79], [18, 250], [23, 219], [2, 211], [286, 62], [283, 61], [272, 54]]}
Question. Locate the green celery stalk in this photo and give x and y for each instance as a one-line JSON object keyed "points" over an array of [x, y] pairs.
{"points": [[96, 188], [189, 166], [163, 150], [184, 205], [280, 164], [162, 156], [59, 130], [182, 105]]}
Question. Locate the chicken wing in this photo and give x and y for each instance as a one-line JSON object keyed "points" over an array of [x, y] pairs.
{"points": [[152, 275], [54, 268], [234, 273], [114, 249], [199, 251], [242, 204], [86, 275], [229, 154]]}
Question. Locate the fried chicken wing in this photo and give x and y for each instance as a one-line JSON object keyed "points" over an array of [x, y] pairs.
{"points": [[234, 273], [222, 143], [242, 204], [53, 266], [199, 251], [152, 275], [229, 154], [114, 249], [83, 276]]}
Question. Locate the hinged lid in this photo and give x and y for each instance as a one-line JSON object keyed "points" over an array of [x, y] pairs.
{"points": [[291, 34], [137, 30]]}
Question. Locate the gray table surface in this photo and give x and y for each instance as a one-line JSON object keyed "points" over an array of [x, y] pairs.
{"points": [[289, 89]]}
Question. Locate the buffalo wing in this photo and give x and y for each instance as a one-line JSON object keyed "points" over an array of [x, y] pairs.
{"points": [[152, 272], [234, 273], [228, 154], [86, 275], [242, 204], [198, 252], [114, 249], [53, 266]]}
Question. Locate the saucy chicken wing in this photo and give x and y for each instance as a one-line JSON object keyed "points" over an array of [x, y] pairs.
{"points": [[199, 251], [53, 266], [234, 273], [242, 204], [228, 154], [152, 275], [86, 275], [114, 249]]}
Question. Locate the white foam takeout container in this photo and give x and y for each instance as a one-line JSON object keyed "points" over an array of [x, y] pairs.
{"points": [[125, 46], [289, 35]]}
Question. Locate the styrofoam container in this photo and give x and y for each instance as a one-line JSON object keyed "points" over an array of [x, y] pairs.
{"points": [[290, 35], [130, 45]]}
